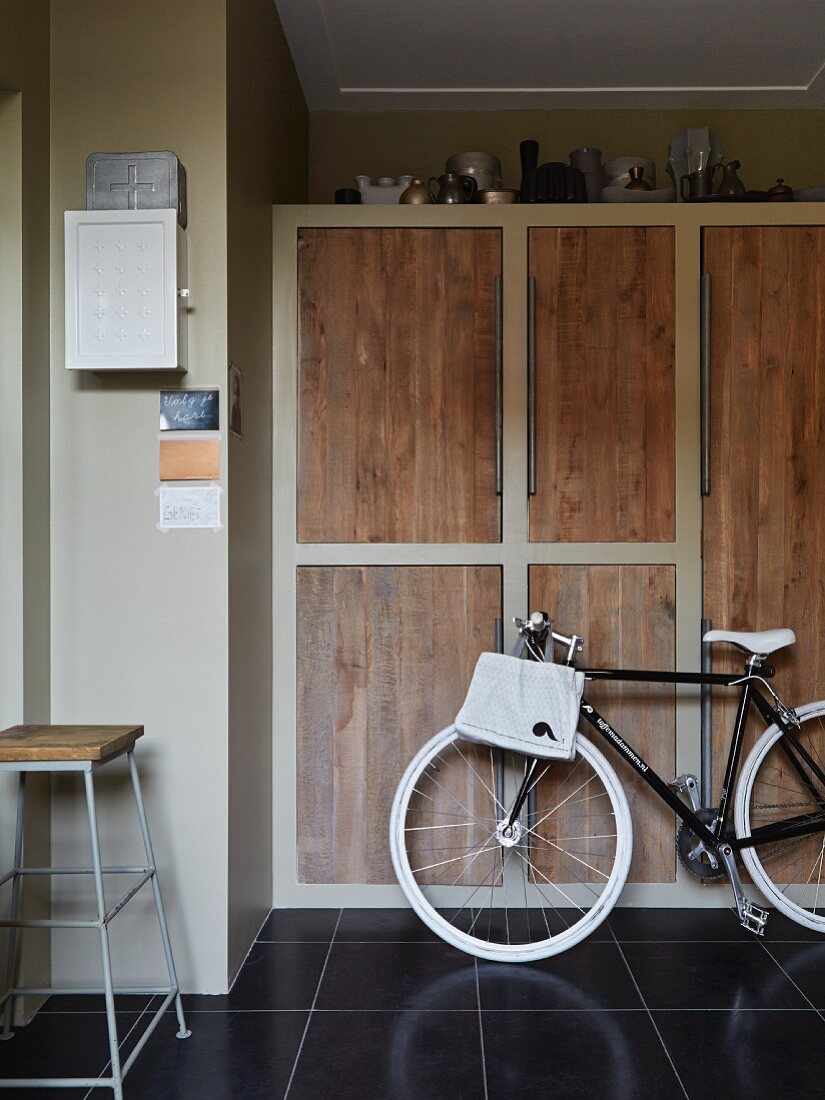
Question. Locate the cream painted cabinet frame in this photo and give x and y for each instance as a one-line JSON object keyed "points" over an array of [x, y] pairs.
{"points": [[515, 554]]}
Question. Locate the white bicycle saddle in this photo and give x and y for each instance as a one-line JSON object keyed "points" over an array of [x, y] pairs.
{"points": [[763, 641]]}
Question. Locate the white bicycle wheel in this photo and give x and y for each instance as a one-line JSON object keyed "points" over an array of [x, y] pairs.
{"points": [[519, 897], [789, 872]]}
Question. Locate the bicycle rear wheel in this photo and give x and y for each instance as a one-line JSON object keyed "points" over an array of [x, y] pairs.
{"points": [[772, 789], [509, 898]]}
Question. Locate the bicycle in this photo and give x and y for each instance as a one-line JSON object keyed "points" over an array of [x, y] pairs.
{"points": [[542, 847]]}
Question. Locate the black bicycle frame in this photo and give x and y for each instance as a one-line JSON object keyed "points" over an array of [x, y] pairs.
{"points": [[800, 825]]}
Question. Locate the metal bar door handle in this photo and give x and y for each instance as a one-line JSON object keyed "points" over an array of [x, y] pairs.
{"points": [[706, 712], [531, 386], [497, 291], [704, 380], [498, 635]]}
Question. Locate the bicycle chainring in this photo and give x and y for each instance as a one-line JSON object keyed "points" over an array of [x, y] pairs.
{"points": [[688, 842]]}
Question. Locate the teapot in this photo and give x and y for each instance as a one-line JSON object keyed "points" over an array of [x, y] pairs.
{"points": [[452, 188]]}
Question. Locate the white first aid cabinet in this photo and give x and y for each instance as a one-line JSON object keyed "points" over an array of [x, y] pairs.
{"points": [[126, 296]]}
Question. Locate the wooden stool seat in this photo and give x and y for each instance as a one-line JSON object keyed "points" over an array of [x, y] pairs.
{"points": [[29, 743]]}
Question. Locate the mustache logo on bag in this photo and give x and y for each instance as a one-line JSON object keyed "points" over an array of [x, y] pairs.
{"points": [[543, 729]]}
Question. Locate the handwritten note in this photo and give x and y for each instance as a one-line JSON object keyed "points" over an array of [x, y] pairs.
{"points": [[189, 506], [189, 410]]}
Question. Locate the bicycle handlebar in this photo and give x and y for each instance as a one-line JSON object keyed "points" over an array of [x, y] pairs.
{"points": [[539, 623]]}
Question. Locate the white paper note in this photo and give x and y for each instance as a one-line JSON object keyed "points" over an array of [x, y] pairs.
{"points": [[189, 506]]}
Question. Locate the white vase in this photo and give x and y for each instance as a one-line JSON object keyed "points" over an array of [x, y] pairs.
{"points": [[387, 191]]}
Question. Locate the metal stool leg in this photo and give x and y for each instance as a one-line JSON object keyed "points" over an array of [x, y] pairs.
{"points": [[14, 913], [183, 1030], [114, 1052]]}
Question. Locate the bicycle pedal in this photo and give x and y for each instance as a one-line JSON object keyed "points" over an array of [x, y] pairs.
{"points": [[754, 919], [689, 785]]}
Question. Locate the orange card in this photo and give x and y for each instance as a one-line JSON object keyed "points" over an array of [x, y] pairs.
{"points": [[190, 459]]}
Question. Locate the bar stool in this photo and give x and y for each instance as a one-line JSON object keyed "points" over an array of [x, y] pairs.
{"points": [[84, 749]]}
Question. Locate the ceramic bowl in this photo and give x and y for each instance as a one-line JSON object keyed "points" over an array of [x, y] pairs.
{"points": [[621, 194], [496, 196], [810, 194]]}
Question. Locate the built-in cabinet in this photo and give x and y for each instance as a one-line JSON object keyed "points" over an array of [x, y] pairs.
{"points": [[397, 352], [764, 515], [629, 615], [602, 328], [490, 416], [384, 658]]}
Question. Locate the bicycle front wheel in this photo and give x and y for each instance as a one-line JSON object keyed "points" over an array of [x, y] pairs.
{"points": [[773, 788], [509, 895]]}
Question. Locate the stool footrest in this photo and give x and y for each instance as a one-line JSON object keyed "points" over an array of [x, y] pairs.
{"points": [[21, 871], [56, 1082], [23, 922], [97, 991]]}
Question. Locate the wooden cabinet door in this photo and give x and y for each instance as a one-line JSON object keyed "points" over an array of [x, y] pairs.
{"points": [[397, 394], [764, 519], [627, 616], [385, 656], [604, 360]]}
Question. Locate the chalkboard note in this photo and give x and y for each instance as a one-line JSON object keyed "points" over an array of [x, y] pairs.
{"points": [[189, 410]]}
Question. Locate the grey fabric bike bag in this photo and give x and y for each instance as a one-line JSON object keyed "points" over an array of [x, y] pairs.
{"points": [[526, 706]]}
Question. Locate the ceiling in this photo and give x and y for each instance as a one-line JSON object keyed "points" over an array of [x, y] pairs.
{"points": [[493, 54]]}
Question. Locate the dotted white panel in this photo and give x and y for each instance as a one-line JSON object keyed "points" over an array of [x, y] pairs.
{"points": [[122, 306], [120, 277]]}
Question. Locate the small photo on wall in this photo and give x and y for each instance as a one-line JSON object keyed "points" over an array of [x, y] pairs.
{"points": [[235, 401]]}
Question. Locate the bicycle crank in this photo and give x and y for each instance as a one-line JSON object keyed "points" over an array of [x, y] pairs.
{"points": [[694, 856]]}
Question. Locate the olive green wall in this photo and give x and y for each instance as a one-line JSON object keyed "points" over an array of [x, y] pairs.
{"points": [[24, 433], [343, 144], [139, 618], [267, 146], [174, 630]]}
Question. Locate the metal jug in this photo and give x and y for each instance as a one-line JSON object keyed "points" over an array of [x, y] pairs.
{"points": [[699, 184], [731, 183], [452, 188]]}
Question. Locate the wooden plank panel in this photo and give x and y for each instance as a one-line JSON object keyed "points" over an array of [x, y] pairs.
{"points": [[397, 385], [627, 617], [605, 391], [763, 523], [384, 659]]}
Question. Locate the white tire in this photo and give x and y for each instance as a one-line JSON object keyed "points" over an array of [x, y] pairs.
{"points": [[790, 874], [558, 894]]}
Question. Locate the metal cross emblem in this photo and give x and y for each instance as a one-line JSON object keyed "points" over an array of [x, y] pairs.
{"points": [[132, 186]]}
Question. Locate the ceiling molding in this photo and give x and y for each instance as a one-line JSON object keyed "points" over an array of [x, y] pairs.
{"points": [[329, 52]]}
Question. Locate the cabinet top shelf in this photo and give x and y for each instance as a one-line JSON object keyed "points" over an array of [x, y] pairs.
{"points": [[689, 216]]}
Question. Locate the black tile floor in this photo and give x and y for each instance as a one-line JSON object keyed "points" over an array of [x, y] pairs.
{"points": [[363, 1004]]}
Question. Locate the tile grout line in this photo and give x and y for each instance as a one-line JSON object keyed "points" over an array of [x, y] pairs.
{"points": [[312, 1006], [790, 979], [481, 1033], [650, 1016], [120, 1045]]}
